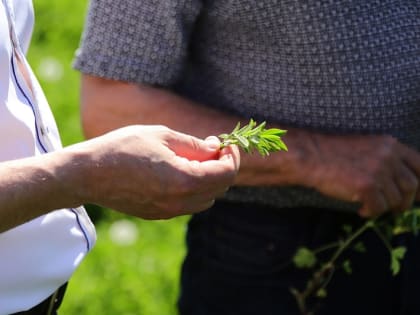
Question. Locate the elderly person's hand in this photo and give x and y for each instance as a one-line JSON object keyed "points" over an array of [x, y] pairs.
{"points": [[150, 172], [376, 171], [154, 172]]}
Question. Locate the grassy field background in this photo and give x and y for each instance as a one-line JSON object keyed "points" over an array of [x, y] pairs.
{"points": [[134, 267]]}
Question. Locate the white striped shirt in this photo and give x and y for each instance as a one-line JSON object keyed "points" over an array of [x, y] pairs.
{"points": [[39, 256]]}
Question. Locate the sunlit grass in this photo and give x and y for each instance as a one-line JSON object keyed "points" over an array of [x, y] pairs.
{"points": [[58, 25], [138, 278]]}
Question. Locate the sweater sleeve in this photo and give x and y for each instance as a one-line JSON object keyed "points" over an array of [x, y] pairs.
{"points": [[137, 41]]}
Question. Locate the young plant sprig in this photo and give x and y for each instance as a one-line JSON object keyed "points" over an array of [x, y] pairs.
{"points": [[386, 227], [252, 137]]}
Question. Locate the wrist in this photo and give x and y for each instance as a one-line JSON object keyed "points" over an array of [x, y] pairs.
{"points": [[72, 172]]}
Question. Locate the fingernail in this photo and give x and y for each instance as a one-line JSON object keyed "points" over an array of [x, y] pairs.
{"points": [[213, 142]]}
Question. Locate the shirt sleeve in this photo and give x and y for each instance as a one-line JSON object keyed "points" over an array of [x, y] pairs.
{"points": [[143, 41]]}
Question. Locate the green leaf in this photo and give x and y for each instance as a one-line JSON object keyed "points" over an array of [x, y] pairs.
{"points": [[304, 258], [359, 247], [275, 131], [347, 228], [248, 127], [283, 145], [347, 266], [254, 140], [414, 222], [321, 293], [243, 141], [407, 222], [271, 138], [263, 151], [238, 125], [397, 254]]}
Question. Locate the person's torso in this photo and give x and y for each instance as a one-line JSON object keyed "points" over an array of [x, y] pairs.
{"points": [[336, 66]]}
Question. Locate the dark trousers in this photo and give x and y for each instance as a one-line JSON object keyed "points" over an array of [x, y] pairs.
{"points": [[239, 263], [49, 306]]}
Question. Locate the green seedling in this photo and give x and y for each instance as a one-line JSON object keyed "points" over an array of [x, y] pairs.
{"points": [[253, 137]]}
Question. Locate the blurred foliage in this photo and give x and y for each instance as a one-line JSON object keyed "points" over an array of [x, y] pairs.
{"points": [[141, 278]]}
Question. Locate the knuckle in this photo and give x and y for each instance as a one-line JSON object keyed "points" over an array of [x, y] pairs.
{"points": [[161, 130]]}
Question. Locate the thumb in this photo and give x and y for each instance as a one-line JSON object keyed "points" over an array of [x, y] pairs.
{"points": [[195, 149]]}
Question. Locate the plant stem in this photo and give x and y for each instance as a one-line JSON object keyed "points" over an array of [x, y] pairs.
{"points": [[321, 277], [383, 238], [326, 247], [368, 225]]}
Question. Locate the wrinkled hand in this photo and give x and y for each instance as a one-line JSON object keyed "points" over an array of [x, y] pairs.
{"points": [[377, 171], [153, 172]]}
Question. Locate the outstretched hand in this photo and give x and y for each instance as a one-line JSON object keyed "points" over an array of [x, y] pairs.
{"points": [[154, 172]]}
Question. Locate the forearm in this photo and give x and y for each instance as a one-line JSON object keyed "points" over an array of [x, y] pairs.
{"points": [[34, 186], [107, 105], [110, 104]]}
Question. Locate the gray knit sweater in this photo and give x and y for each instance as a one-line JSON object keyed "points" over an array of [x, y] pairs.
{"points": [[340, 66]]}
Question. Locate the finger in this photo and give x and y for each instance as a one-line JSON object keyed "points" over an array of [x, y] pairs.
{"points": [[195, 177], [231, 153], [193, 148], [213, 141], [223, 171], [412, 160], [392, 195], [408, 185], [374, 205]]}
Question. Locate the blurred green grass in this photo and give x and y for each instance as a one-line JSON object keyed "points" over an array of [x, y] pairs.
{"points": [[141, 278], [138, 278]]}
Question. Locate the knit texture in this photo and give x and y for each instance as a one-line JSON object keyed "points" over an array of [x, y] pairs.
{"points": [[337, 66]]}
